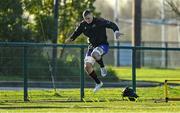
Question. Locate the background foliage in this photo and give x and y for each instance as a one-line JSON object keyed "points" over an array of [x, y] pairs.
{"points": [[32, 20]]}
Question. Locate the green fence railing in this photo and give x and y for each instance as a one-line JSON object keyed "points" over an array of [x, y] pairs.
{"points": [[25, 47]]}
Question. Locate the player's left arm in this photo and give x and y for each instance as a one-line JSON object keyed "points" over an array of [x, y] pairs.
{"points": [[113, 26]]}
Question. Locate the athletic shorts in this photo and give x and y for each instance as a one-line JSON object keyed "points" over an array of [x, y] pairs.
{"points": [[89, 58], [105, 48]]}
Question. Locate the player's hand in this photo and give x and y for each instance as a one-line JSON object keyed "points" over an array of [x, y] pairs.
{"points": [[68, 40], [117, 35]]}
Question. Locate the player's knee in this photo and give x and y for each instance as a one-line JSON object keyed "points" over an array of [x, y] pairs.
{"points": [[88, 67], [96, 55]]}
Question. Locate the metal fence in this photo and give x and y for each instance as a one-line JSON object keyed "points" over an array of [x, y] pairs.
{"points": [[26, 65]]}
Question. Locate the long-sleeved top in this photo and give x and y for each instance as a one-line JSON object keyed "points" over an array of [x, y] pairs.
{"points": [[95, 31]]}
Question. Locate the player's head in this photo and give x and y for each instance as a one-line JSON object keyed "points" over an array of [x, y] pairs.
{"points": [[88, 16]]}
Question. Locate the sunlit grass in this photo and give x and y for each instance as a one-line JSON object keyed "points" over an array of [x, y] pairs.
{"points": [[147, 74], [106, 100]]}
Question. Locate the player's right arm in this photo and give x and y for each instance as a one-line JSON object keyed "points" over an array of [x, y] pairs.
{"points": [[76, 33]]}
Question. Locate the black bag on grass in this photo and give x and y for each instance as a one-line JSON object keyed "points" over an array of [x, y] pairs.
{"points": [[129, 92]]}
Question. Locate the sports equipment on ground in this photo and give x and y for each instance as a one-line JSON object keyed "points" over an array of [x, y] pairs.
{"points": [[129, 92], [166, 92]]}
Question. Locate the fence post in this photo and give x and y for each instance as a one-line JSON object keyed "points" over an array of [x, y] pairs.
{"points": [[118, 52], [25, 73], [82, 74], [166, 55], [134, 68], [142, 55]]}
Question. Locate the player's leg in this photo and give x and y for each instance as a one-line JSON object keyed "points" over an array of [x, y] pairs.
{"points": [[97, 54], [102, 67], [89, 62]]}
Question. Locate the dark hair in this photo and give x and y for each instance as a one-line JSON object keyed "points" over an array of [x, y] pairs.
{"points": [[86, 12]]}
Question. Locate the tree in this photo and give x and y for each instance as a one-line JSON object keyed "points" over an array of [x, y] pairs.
{"points": [[70, 12], [174, 5], [32, 20], [42, 22], [12, 24]]}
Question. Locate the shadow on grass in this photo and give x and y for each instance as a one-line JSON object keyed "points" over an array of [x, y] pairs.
{"points": [[61, 101], [48, 107]]}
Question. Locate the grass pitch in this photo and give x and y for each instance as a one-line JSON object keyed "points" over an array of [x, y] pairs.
{"points": [[147, 74], [106, 100]]}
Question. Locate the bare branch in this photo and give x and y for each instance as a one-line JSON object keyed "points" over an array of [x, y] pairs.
{"points": [[174, 6]]}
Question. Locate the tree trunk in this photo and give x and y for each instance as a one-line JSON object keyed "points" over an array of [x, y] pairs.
{"points": [[137, 29]]}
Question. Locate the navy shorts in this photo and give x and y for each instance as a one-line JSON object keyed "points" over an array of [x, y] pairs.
{"points": [[105, 48]]}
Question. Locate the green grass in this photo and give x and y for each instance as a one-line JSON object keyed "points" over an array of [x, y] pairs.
{"points": [[125, 73], [106, 100], [147, 74]]}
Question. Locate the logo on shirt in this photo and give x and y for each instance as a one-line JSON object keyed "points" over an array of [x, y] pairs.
{"points": [[94, 25]]}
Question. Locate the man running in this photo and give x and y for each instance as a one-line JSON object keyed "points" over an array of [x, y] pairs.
{"points": [[95, 29]]}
